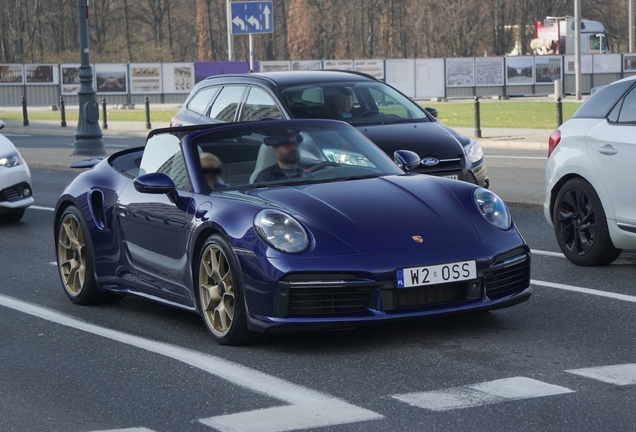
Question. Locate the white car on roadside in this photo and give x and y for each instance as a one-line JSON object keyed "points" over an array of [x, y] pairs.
{"points": [[15, 182], [590, 177]]}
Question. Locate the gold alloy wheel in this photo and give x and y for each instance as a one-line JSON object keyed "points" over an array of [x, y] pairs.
{"points": [[71, 255], [216, 290]]}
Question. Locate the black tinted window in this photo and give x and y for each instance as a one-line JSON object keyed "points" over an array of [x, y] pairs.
{"points": [[600, 103], [201, 100], [628, 112], [226, 103], [260, 105]]}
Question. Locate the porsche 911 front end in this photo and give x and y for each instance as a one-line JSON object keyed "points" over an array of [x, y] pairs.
{"points": [[367, 262]]}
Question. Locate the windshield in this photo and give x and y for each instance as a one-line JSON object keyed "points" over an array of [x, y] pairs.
{"points": [[356, 103], [598, 43], [287, 153]]}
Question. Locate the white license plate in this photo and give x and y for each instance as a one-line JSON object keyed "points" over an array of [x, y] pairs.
{"points": [[452, 176], [436, 274]]}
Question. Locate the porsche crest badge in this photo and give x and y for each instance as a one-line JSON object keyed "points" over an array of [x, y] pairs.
{"points": [[418, 239]]}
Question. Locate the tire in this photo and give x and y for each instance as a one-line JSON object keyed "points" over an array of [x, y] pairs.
{"points": [[75, 261], [580, 225], [13, 215], [220, 288]]}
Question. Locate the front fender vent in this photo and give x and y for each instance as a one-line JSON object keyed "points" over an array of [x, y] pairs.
{"points": [[97, 208]]}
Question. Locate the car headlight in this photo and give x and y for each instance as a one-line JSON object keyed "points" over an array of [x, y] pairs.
{"points": [[281, 231], [347, 158], [473, 151], [14, 159], [493, 208]]}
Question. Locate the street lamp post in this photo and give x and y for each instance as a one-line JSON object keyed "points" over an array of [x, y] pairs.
{"points": [[88, 136], [230, 38], [631, 25], [577, 47]]}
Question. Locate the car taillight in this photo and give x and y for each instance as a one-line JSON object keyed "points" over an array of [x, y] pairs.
{"points": [[174, 122], [555, 139]]}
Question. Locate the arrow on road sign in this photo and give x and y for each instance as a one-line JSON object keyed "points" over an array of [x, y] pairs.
{"points": [[239, 22], [254, 22], [266, 12]]}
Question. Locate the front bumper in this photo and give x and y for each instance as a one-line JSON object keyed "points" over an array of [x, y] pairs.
{"points": [[14, 182], [475, 173], [304, 298]]}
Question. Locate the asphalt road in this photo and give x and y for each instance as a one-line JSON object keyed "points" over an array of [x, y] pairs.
{"points": [[58, 374], [57, 141]]}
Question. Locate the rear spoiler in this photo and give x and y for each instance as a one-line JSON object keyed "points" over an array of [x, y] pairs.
{"points": [[87, 163]]}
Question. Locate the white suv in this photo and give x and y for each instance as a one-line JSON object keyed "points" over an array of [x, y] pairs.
{"points": [[590, 177], [15, 182]]}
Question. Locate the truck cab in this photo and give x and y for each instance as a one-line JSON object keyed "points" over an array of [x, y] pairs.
{"points": [[561, 31]]}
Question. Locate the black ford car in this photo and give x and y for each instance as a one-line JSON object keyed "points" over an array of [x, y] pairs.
{"points": [[382, 113]]}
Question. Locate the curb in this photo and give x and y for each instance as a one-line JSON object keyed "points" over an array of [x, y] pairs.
{"points": [[513, 144]]}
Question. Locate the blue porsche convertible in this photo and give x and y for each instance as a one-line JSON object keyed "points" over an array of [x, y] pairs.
{"points": [[281, 226]]}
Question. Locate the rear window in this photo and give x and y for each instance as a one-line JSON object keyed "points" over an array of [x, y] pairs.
{"points": [[602, 101], [200, 102]]}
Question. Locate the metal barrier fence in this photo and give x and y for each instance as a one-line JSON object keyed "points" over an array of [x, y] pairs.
{"points": [[124, 84]]}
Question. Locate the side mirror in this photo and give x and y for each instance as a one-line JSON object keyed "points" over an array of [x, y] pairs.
{"points": [[432, 111], [407, 160], [158, 184], [2, 125]]}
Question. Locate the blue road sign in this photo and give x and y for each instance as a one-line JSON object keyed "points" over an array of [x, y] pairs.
{"points": [[252, 17]]}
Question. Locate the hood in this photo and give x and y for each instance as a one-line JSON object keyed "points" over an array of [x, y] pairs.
{"points": [[6, 146], [380, 215], [424, 138]]}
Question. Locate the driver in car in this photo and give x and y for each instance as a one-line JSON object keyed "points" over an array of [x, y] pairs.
{"points": [[286, 167]]}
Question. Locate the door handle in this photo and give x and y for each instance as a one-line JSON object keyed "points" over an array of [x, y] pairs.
{"points": [[607, 150]]}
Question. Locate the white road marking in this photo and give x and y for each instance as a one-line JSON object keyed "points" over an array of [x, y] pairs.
{"points": [[305, 400], [290, 417], [53, 263], [42, 208], [486, 393], [16, 135], [599, 293], [138, 429], [516, 157], [547, 253], [621, 375], [116, 145]]}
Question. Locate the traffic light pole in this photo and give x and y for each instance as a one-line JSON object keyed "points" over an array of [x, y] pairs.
{"points": [[88, 136]]}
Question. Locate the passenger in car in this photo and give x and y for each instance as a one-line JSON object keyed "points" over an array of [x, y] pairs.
{"points": [[344, 104], [211, 167], [286, 167]]}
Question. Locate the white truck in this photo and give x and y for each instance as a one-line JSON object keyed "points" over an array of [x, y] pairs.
{"points": [[555, 35]]}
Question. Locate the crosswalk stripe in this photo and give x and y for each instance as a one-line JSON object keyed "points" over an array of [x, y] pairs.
{"points": [[292, 417], [486, 393], [624, 374]]}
